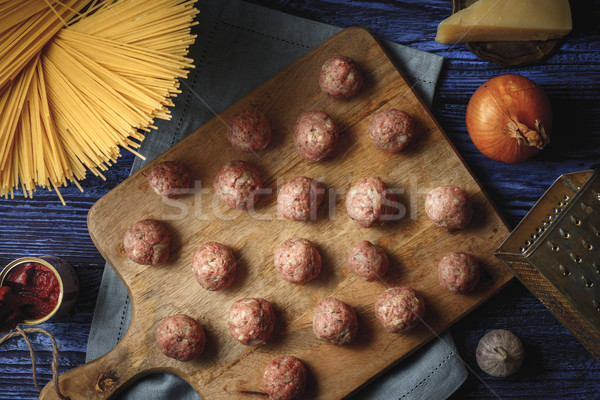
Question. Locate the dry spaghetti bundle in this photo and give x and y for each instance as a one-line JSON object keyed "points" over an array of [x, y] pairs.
{"points": [[25, 27], [87, 87]]}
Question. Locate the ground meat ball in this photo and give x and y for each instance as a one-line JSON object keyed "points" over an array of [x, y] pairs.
{"points": [[458, 272], [170, 179], [147, 242], [297, 260], [391, 130], [214, 266], [249, 131], [335, 321], [340, 77], [368, 261], [180, 337], [399, 309], [251, 321], [285, 378], [449, 207], [370, 201], [315, 136], [299, 199], [238, 184]]}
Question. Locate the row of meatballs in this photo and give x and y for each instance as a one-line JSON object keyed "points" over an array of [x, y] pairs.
{"points": [[370, 201], [316, 134], [251, 322], [297, 260]]}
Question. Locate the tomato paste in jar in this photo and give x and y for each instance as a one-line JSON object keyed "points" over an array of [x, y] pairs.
{"points": [[10, 315], [37, 288], [34, 289]]}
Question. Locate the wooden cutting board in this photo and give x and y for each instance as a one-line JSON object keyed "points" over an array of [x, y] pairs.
{"points": [[229, 370]]}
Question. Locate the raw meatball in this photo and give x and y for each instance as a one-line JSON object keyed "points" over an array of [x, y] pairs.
{"points": [[449, 207], [249, 131], [299, 199], [170, 179], [285, 378], [368, 261], [458, 272], [315, 136], [180, 337], [297, 260], [370, 201], [399, 309], [238, 184], [214, 266], [335, 321], [251, 321], [340, 77], [147, 242], [391, 130]]}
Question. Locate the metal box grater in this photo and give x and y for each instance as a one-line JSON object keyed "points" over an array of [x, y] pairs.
{"points": [[555, 252]]}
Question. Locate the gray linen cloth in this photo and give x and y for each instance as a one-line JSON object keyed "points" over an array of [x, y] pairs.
{"points": [[239, 46]]}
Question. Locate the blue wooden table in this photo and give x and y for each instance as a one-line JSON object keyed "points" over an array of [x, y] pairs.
{"points": [[556, 365]]}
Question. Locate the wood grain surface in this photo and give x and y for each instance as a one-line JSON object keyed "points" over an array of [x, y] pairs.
{"points": [[227, 369], [556, 365]]}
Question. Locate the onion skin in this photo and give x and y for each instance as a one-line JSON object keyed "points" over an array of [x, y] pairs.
{"points": [[509, 118]]}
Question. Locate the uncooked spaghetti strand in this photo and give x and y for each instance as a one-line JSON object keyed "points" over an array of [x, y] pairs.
{"points": [[35, 33], [134, 92], [15, 54], [98, 90], [10, 116], [62, 200], [66, 103], [95, 84], [13, 14], [76, 143], [120, 20], [7, 182], [56, 13], [157, 60], [35, 128], [76, 183], [137, 35], [52, 160], [60, 161], [173, 40], [163, 59], [172, 25], [69, 119], [90, 9], [8, 41], [24, 150], [5, 98]]}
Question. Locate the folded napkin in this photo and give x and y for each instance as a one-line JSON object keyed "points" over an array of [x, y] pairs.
{"points": [[239, 46]]}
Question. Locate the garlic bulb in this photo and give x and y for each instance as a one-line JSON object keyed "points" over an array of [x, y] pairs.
{"points": [[499, 353]]}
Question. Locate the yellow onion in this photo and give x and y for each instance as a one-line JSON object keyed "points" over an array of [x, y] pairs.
{"points": [[509, 118]]}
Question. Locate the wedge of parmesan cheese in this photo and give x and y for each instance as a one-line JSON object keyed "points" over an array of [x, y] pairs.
{"points": [[507, 20]]}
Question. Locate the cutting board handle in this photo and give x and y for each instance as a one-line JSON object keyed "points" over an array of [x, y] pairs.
{"points": [[98, 379]]}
